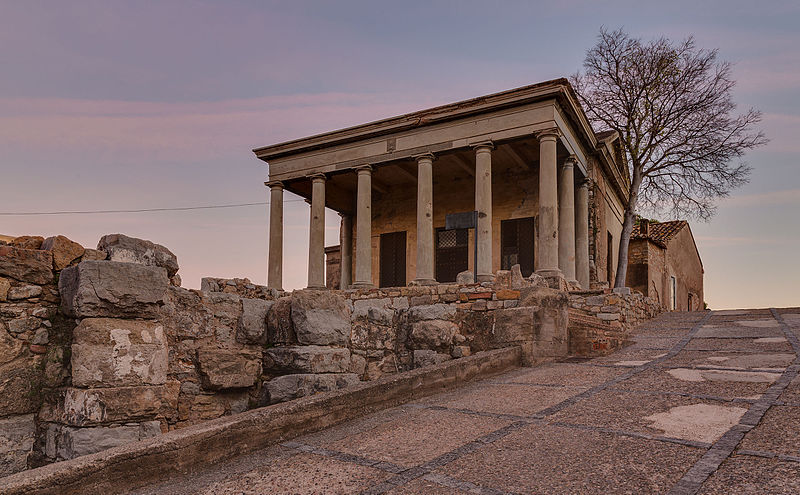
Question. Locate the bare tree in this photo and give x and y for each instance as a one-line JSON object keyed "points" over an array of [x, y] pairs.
{"points": [[672, 106]]}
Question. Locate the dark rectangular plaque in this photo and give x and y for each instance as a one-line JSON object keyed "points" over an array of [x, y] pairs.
{"points": [[463, 220]]}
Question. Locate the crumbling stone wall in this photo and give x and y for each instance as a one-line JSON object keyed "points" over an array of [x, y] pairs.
{"points": [[601, 320], [137, 355], [35, 339]]}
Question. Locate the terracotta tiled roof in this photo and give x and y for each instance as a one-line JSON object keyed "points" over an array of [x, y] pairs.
{"points": [[660, 233]]}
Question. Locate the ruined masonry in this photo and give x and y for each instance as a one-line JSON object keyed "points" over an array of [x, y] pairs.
{"points": [[102, 347]]}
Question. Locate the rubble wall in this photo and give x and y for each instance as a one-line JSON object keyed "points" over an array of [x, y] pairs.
{"points": [[601, 320], [109, 349]]}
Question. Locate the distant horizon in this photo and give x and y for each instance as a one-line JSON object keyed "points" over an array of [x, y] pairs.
{"points": [[118, 106]]}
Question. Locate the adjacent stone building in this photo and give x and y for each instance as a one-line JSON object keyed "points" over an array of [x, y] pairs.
{"points": [[548, 191], [664, 264]]}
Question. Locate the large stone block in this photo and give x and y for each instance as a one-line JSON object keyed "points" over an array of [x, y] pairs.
{"points": [[377, 311], [290, 387], [320, 317], [433, 334], [26, 265], [108, 288], [84, 407], [426, 357], [432, 312], [20, 384], [307, 359], [65, 442], [114, 353], [132, 250], [27, 242], [16, 443], [64, 251], [252, 328], [515, 325], [280, 329], [367, 336], [229, 368]]}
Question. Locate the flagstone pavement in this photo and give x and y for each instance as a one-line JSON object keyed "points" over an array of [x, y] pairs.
{"points": [[705, 402]]}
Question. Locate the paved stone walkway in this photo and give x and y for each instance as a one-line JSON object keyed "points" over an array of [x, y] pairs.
{"points": [[700, 403]]}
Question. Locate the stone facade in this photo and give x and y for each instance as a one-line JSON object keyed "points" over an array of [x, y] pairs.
{"points": [[665, 253]]}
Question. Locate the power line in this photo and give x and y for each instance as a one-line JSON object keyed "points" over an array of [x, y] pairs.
{"points": [[139, 210]]}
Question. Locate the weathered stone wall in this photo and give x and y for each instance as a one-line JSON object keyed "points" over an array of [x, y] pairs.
{"points": [[104, 348], [601, 320], [35, 339], [628, 309]]}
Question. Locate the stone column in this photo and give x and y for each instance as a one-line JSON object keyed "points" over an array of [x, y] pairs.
{"points": [[566, 219], [483, 205], [316, 235], [275, 258], [582, 234], [364, 228], [425, 274], [548, 204], [346, 245]]}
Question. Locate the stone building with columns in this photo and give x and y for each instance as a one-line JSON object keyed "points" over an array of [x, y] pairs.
{"points": [[548, 190]]}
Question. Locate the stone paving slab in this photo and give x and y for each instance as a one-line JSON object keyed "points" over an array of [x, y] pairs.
{"points": [[792, 392], [516, 399], [632, 412], [653, 343], [777, 344], [551, 459], [778, 432], [724, 385], [414, 438], [564, 374], [745, 475], [729, 359]]}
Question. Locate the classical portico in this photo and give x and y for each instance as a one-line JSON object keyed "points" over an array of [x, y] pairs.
{"points": [[523, 159]]}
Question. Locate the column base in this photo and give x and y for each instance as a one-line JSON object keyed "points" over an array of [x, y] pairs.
{"points": [[485, 277], [422, 281], [554, 278], [550, 272], [362, 285], [317, 287]]}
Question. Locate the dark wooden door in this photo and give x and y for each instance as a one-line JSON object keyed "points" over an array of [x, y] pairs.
{"points": [[393, 259], [516, 244], [452, 253]]}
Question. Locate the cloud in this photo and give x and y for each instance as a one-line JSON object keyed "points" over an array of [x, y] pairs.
{"points": [[730, 241], [184, 131], [785, 197]]}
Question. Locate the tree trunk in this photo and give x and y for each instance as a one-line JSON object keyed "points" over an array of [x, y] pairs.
{"points": [[627, 229]]}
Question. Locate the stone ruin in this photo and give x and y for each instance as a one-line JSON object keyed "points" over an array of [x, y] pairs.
{"points": [[101, 347]]}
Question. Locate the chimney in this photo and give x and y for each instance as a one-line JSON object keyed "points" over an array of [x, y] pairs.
{"points": [[644, 227]]}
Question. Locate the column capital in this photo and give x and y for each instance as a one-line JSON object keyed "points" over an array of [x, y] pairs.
{"points": [[571, 160], [585, 182], [274, 184], [317, 177], [424, 156], [483, 146], [366, 169], [552, 133]]}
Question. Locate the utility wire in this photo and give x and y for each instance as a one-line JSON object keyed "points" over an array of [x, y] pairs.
{"points": [[140, 210]]}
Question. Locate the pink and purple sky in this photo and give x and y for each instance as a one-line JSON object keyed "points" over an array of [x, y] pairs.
{"points": [[147, 104]]}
